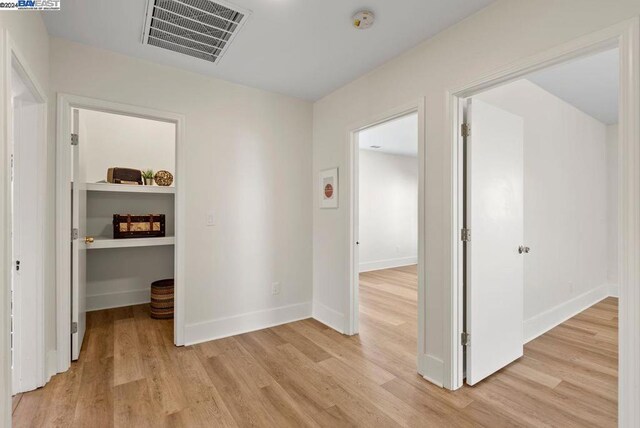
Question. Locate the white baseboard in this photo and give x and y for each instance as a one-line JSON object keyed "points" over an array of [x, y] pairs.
{"points": [[118, 299], [388, 264], [432, 369], [244, 323], [614, 290], [328, 317], [540, 324]]}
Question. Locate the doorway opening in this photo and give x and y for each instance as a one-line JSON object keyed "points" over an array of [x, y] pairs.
{"points": [[386, 180], [540, 230], [124, 221], [109, 271], [27, 149]]}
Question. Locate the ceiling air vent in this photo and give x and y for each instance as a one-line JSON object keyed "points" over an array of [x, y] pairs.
{"points": [[200, 28]]}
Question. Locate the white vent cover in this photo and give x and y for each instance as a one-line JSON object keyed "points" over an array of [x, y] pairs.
{"points": [[200, 28]]}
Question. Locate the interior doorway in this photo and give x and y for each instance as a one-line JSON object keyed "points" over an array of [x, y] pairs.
{"points": [[540, 216], [388, 227], [106, 264], [108, 271], [387, 176], [27, 149]]}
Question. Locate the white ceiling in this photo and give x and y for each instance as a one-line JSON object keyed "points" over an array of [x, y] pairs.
{"points": [[396, 137], [301, 48], [590, 84]]}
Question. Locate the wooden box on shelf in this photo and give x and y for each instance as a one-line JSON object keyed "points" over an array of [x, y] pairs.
{"points": [[124, 176], [138, 226]]}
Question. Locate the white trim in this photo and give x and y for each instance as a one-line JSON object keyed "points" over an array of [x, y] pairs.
{"points": [[11, 55], [626, 35], [5, 244], [432, 367], [614, 290], [244, 323], [328, 317], [542, 323], [351, 292], [63, 211], [117, 299], [387, 264]]}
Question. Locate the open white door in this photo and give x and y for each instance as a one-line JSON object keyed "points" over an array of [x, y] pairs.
{"points": [[78, 246], [494, 263]]}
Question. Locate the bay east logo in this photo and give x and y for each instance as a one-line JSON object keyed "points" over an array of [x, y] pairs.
{"points": [[31, 5]]}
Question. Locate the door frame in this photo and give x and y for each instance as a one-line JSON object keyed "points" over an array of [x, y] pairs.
{"points": [[625, 36], [351, 319], [65, 103], [14, 59]]}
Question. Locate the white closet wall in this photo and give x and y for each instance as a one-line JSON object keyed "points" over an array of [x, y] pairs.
{"points": [[129, 142], [122, 276]]}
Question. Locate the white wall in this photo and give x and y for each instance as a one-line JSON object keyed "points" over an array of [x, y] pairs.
{"points": [[388, 220], [565, 202], [122, 141], [612, 203], [505, 32], [248, 157]]}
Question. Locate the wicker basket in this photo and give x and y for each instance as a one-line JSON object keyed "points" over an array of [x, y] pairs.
{"points": [[162, 299]]}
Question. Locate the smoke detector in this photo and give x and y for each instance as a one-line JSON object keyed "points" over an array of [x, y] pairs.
{"points": [[363, 19]]}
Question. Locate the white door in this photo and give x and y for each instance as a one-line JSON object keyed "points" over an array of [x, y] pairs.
{"points": [[494, 215], [78, 246], [26, 312]]}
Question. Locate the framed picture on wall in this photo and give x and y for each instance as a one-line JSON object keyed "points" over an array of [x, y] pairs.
{"points": [[328, 183]]}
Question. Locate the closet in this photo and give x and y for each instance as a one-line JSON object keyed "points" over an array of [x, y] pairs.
{"points": [[109, 272]]}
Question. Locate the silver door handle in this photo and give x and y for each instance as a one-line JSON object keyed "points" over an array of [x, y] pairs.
{"points": [[523, 249]]}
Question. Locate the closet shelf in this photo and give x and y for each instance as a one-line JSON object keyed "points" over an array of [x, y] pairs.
{"points": [[128, 188], [101, 242]]}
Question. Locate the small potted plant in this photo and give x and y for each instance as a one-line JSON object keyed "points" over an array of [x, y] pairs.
{"points": [[148, 177]]}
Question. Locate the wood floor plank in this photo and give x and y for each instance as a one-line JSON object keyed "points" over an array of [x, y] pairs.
{"points": [[128, 365], [95, 399], [304, 374]]}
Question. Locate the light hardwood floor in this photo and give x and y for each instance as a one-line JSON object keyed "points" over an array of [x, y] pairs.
{"points": [[305, 374]]}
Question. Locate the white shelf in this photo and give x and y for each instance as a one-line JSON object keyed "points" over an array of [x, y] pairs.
{"points": [[102, 242], [129, 188]]}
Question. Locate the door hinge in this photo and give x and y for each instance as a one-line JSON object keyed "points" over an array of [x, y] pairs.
{"points": [[74, 327], [465, 130], [75, 139], [465, 235], [74, 234], [465, 338]]}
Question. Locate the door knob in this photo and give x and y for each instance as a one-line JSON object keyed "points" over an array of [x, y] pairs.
{"points": [[88, 240], [523, 249]]}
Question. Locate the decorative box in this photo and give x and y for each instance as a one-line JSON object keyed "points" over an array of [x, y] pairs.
{"points": [[138, 226], [124, 176]]}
